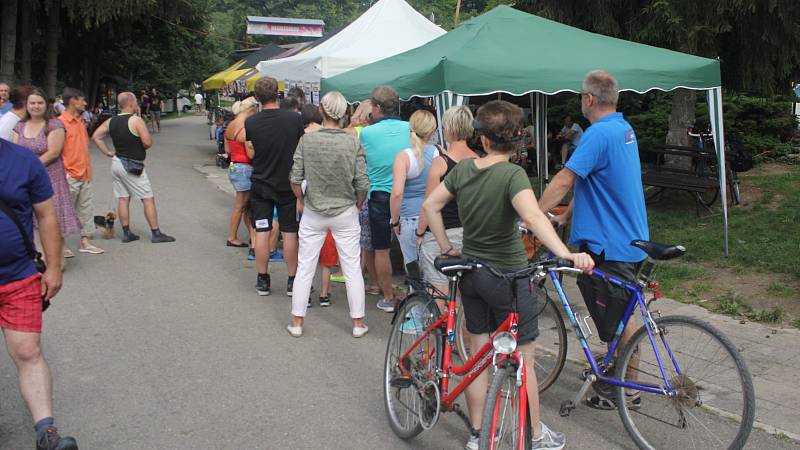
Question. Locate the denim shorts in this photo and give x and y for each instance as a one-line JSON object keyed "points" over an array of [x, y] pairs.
{"points": [[408, 239], [239, 174]]}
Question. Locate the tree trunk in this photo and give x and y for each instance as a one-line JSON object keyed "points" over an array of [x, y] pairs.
{"points": [[26, 41], [683, 109], [9, 40], [51, 51]]}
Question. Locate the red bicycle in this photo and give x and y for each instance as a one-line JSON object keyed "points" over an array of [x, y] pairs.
{"points": [[419, 367]]}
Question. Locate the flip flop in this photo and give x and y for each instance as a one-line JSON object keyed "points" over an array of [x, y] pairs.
{"points": [[91, 249], [239, 245]]}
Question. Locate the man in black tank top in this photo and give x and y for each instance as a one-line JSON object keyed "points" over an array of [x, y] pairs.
{"points": [[130, 137]]}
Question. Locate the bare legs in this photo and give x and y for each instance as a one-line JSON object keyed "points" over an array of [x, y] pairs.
{"points": [[124, 208], [239, 212], [35, 381], [383, 267], [368, 266]]}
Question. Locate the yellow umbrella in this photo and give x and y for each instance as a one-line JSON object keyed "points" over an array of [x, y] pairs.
{"points": [[217, 81]]}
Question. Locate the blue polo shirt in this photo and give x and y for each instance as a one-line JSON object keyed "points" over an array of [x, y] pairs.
{"points": [[23, 183], [382, 141], [609, 209]]}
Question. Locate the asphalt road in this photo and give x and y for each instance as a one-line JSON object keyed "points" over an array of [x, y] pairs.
{"points": [[168, 346]]}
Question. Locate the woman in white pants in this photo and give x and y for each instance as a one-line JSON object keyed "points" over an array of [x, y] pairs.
{"points": [[333, 165]]}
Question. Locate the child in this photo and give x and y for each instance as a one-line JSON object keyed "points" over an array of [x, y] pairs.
{"points": [[327, 259]]}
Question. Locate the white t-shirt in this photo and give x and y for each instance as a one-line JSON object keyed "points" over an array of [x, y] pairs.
{"points": [[198, 99], [576, 138], [7, 123]]}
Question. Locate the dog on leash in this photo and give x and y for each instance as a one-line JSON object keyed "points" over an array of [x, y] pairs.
{"points": [[106, 223]]}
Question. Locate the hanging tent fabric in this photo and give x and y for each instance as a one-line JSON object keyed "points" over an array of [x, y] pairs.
{"points": [[389, 27], [221, 79], [217, 81], [478, 58]]}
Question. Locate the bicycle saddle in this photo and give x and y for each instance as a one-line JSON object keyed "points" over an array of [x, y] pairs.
{"points": [[660, 252], [449, 264]]}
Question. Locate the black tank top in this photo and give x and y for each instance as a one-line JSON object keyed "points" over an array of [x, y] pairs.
{"points": [[450, 210], [126, 144]]}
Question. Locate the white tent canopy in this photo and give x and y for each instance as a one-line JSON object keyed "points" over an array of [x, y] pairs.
{"points": [[389, 27]]}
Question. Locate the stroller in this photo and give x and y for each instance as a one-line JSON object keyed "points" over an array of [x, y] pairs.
{"points": [[222, 159]]}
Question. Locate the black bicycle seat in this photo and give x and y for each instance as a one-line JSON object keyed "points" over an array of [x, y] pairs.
{"points": [[450, 264], [660, 252]]}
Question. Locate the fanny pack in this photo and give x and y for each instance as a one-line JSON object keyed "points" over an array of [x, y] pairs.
{"points": [[132, 166]]}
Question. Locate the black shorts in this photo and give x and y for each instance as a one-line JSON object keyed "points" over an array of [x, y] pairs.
{"points": [[487, 301], [606, 303], [263, 204], [379, 217]]}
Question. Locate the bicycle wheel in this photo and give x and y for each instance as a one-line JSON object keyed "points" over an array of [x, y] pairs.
{"points": [[462, 342], [551, 346], [401, 396], [715, 404], [500, 425]]}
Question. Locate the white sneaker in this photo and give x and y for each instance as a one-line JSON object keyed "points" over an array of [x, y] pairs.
{"points": [[472, 443], [294, 331], [549, 440], [360, 331]]}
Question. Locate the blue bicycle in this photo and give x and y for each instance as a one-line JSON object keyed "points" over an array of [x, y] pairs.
{"points": [[692, 379]]}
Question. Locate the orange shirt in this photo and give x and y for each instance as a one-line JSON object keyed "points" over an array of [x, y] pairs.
{"points": [[76, 148]]}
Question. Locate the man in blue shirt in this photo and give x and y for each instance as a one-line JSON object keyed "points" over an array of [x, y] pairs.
{"points": [[5, 92], [25, 190], [607, 209], [382, 141]]}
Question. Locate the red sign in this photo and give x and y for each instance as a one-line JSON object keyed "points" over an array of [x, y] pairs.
{"points": [[284, 29]]}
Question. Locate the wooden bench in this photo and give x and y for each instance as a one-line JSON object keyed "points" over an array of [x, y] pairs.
{"points": [[701, 181]]}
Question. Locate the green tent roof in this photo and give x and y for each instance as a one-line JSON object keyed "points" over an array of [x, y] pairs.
{"points": [[506, 50]]}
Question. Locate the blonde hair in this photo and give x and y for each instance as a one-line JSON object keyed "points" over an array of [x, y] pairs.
{"points": [[457, 123], [422, 124], [334, 105], [244, 105], [361, 114]]}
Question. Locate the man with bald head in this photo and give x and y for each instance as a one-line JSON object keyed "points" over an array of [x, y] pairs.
{"points": [[130, 138]]}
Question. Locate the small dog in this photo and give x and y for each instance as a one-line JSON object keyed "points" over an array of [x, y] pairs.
{"points": [[106, 223]]}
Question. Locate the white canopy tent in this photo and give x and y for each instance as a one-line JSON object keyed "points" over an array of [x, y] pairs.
{"points": [[389, 27]]}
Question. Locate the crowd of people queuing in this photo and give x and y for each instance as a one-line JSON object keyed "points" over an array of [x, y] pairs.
{"points": [[338, 187], [350, 184], [46, 193]]}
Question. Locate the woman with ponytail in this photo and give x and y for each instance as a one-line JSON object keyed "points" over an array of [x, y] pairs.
{"points": [[332, 163], [409, 176]]}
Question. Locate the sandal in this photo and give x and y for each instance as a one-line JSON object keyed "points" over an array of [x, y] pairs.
{"points": [[634, 402], [239, 245], [374, 290]]}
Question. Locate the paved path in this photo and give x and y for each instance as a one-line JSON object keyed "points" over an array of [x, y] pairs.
{"points": [[168, 346]]}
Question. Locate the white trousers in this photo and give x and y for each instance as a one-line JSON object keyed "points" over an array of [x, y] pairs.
{"points": [[346, 232]]}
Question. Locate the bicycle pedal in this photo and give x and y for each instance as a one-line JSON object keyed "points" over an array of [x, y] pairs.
{"points": [[401, 382], [566, 408]]}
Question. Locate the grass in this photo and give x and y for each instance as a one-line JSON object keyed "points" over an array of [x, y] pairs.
{"points": [[781, 290], [732, 306], [762, 237]]}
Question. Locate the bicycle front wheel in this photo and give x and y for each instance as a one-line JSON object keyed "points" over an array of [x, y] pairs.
{"points": [[715, 403], [402, 376], [501, 426]]}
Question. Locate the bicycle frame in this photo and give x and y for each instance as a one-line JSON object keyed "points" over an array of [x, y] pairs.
{"points": [[636, 299], [477, 364]]}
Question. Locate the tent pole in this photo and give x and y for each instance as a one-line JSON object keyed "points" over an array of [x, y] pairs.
{"points": [[714, 97], [540, 102]]}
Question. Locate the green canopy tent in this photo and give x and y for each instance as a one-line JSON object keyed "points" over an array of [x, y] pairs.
{"points": [[509, 51]]}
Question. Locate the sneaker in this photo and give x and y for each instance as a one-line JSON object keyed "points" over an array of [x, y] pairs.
{"points": [[550, 440], [276, 256], [605, 403], [413, 323], [386, 305], [162, 238], [130, 237], [50, 440], [262, 284], [360, 331], [472, 443], [251, 255], [309, 302], [324, 301], [337, 278]]}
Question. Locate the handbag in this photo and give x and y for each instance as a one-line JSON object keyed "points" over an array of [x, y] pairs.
{"points": [[36, 256]]}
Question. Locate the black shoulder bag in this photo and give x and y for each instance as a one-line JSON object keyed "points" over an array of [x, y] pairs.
{"points": [[35, 256]]}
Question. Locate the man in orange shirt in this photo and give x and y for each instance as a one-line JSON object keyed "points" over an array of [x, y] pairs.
{"points": [[78, 165]]}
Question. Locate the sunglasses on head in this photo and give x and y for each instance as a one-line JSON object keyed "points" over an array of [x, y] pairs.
{"points": [[481, 130]]}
